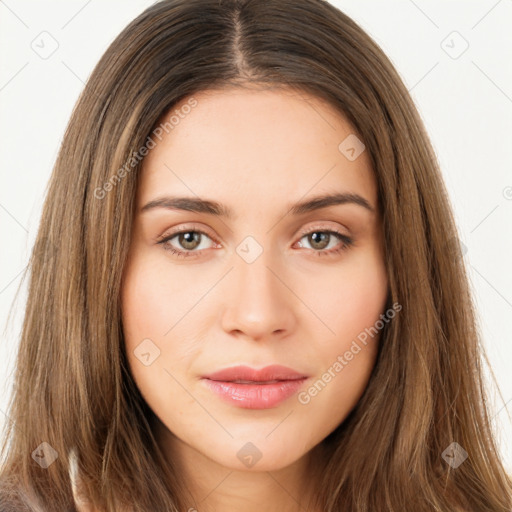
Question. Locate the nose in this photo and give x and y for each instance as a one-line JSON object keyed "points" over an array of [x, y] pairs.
{"points": [[259, 303]]}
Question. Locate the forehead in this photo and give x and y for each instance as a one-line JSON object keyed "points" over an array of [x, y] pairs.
{"points": [[255, 145]]}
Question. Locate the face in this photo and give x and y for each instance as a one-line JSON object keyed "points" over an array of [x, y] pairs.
{"points": [[249, 279]]}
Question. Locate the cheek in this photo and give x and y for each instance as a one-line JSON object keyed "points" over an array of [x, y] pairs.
{"points": [[350, 299], [152, 301], [146, 299], [158, 305], [353, 308], [333, 394], [146, 319]]}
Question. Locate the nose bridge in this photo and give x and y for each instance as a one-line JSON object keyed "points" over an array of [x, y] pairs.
{"points": [[258, 302], [255, 258]]}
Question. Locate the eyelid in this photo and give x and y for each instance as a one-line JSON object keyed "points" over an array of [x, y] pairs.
{"points": [[187, 227], [206, 231], [346, 242], [321, 227]]}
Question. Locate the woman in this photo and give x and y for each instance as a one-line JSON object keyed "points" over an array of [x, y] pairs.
{"points": [[184, 345]]}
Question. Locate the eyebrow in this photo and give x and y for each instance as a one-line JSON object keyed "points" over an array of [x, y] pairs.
{"points": [[192, 204]]}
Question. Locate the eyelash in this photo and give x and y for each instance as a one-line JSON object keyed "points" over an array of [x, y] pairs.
{"points": [[347, 242]]}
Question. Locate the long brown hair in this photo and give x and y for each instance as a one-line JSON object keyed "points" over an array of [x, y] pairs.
{"points": [[73, 389]]}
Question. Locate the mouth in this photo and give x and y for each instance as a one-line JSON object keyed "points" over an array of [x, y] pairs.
{"points": [[253, 381], [255, 389], [246, 374]]}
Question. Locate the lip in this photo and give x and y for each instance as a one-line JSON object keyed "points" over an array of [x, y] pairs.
{"points": [[258, 389], [268, 373]]}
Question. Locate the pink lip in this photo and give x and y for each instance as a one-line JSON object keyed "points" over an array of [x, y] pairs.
{"points": [[264, 388], [272, 372]]}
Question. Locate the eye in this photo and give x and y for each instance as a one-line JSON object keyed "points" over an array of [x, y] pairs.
{"points": [[190, 241], [321, 238]]}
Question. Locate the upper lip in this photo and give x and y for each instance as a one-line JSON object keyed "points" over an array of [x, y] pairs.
{"points": [[246, 373]]}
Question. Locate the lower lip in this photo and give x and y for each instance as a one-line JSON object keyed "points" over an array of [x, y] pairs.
{"points": [[255, 396]]}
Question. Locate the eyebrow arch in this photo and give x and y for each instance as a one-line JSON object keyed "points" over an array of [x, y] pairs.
{"points": [[192, 204]]}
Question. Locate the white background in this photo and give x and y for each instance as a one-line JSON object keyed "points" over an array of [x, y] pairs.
{"points": [[466, 103]]}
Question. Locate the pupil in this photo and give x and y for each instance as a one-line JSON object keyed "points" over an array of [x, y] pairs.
{"points": [[317, 236], [190, 237]]}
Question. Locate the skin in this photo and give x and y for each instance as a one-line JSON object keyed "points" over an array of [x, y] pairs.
{"points": [[255, 151]]}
